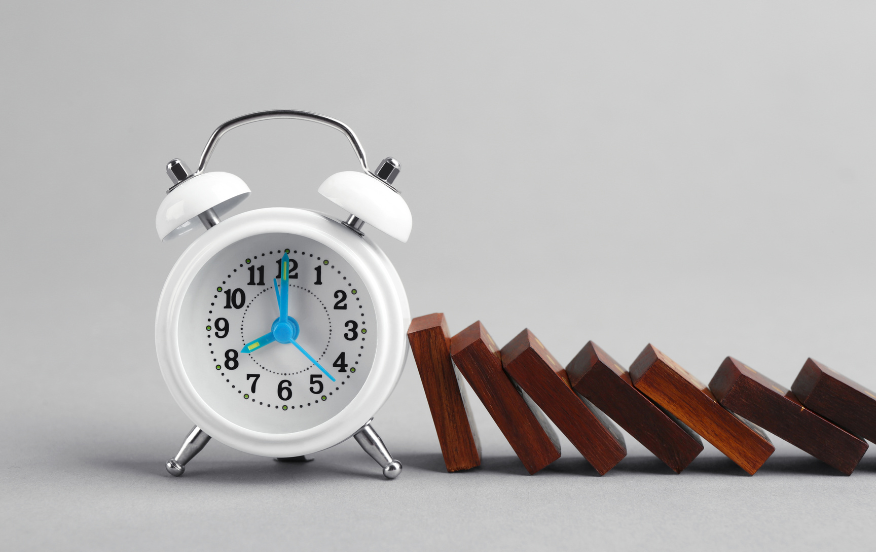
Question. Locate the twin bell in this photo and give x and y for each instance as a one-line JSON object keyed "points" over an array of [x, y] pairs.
{"points": [[207, 196]]}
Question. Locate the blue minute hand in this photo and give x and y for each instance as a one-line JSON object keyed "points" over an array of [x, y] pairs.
{"points": [[311, 359]]}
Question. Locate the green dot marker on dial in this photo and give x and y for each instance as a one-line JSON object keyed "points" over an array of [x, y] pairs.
{"points": [[248, 261], [246, 396], [323, 397], [218, 367], [286, 250], [218, 289], [354, 292], [363, 330], [325, 262], [209, 328], [285, 407], [352, 369]]}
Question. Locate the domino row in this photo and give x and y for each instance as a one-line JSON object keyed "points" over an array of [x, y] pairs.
{"points": [[657, 402]]}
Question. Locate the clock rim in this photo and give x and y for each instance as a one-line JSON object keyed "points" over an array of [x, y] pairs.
{"points": [[391, 310]]}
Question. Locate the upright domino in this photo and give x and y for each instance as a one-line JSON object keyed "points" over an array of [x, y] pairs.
{"points": [[445, 392]]}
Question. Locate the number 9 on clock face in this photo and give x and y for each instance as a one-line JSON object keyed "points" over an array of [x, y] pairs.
{"points": [[261, 372]]}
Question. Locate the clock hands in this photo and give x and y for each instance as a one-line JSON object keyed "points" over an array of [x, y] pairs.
{"points": [[285, 329], [282, 335], [311, 359], [259, 343], [283, 299]]}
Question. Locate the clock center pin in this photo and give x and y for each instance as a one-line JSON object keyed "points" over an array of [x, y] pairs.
{"points": [[285, 332]]}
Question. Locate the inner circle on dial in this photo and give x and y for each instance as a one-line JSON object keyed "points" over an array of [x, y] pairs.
{"points": [[248, 366], [314, 335]]}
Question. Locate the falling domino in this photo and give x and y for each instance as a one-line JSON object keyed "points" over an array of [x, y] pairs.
{"points": [[760, 400], [837, 398], [525, 427], [600, 379], [669, 385], [531, 366]]}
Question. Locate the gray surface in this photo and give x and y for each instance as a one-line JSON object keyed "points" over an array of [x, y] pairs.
{"points": [[695, 176]]}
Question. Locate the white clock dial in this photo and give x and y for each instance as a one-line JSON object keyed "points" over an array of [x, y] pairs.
{"points": [[269, 379]]}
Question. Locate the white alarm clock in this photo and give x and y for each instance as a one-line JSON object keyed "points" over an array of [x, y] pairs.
{"points": [[281, 332]]}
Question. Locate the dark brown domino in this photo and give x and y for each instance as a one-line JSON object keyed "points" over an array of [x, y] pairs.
{"points": [[445, 391], [533, 439], [829, 394], [669, 385], [537, 372], [600, 379], [760, 400]]}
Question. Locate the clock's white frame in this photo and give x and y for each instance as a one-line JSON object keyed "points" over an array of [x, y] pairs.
{"points": [[390, 306]]}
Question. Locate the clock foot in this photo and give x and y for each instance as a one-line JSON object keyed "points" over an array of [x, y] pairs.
{"points": [[371, 443], [194, 442], [294, 460]]}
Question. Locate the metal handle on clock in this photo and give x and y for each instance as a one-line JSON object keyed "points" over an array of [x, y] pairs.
{"points": [[281, 114]]}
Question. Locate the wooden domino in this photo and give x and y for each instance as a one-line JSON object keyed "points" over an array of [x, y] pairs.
{"points": [[837, 398], [445, 392], [686, 398], [600, 379], [531, 366], [533, 439], [760, 400]]}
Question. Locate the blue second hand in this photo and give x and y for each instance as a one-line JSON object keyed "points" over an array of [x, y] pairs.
{"points": [[313, 360]]}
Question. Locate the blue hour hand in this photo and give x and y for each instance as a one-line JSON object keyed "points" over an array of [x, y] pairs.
{"points": [[258, 343]]}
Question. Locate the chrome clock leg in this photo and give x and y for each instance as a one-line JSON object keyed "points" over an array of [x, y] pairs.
{"points": [[370, 442], [195, 441]]}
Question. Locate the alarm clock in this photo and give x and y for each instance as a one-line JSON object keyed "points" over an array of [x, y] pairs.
{"points": [[281, 332]]}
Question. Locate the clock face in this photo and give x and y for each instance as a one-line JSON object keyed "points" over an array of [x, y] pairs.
{"points": [[264, 373]]}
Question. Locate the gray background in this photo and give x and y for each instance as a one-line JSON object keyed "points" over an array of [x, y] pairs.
{"points": [[694, 175]]}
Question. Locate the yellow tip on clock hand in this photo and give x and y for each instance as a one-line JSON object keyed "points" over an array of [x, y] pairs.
{"points": [[258, 343]]}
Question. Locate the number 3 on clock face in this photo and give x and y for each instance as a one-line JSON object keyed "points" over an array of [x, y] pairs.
{"points": [[263, 373]]}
